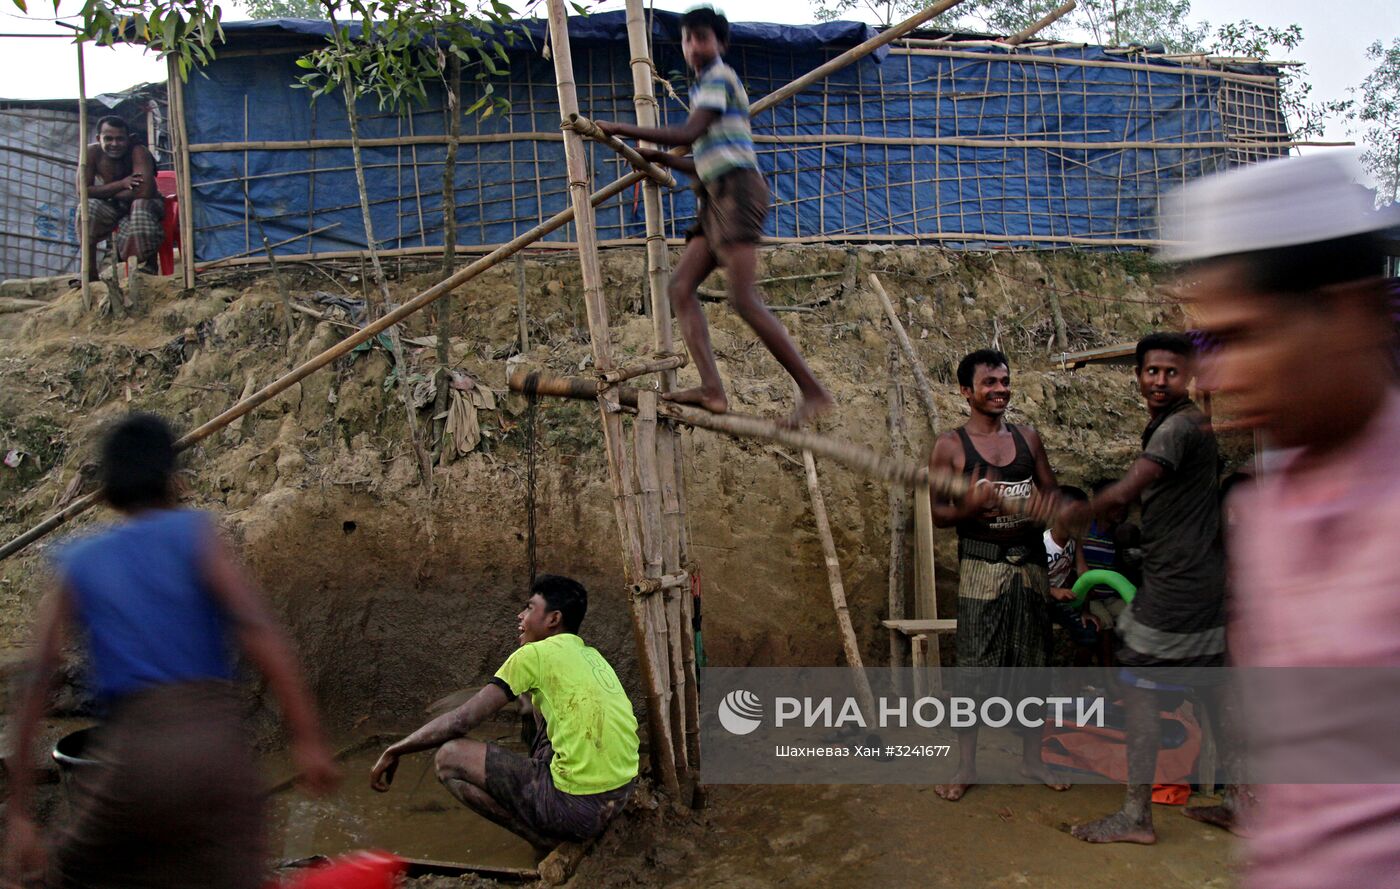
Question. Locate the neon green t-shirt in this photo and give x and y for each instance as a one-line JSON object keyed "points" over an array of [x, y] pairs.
{"points": [[587, 714]]}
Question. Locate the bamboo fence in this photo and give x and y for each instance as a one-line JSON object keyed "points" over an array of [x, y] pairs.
{"points": [[960, 143]]}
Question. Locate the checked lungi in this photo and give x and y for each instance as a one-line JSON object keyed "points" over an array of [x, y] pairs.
{"points": [[137, 228]]}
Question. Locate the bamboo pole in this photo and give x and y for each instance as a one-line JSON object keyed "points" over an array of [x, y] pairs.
{"points": [[926, 48], [685, 716], [184, 176], [838, 589], [666, 644], [424, 299], [1041, 24], [1264, 141], [924, 388], [619, 468], [863, 460], [899, 516], [84, 225], [585, 127], [669, 362], [853, 54], [521, 319]]}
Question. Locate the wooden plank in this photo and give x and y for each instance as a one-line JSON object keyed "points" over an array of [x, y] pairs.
{"points": [[914, 627]]}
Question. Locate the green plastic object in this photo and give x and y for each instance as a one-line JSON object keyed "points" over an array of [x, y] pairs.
{"points": [[1102, 577]]}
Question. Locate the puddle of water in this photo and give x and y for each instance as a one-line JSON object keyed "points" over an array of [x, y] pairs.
{"points": [[417, 818]]}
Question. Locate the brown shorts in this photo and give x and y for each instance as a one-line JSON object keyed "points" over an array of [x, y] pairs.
{"points": [[525, 788], [732, 209], [175, 800]]}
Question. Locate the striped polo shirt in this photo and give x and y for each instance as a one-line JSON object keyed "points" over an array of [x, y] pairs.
{"points": [[727, 145]]}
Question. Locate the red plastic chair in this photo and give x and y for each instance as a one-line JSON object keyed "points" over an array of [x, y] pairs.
{"points": [[165, 184]]}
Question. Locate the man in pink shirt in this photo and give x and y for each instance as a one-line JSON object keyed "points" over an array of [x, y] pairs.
{"points": [[1286, 273]]}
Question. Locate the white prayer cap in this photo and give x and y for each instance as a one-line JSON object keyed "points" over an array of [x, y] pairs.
{"points": [[1277, 203]]}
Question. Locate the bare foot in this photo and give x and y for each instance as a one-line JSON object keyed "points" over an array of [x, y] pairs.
{"points": [[958, 787], [1041, 772], [714, 402], [1116, 828], [809, 407], [1217, 816]]}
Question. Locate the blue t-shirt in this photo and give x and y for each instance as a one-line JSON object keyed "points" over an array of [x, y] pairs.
{"points": [[141, 603]]}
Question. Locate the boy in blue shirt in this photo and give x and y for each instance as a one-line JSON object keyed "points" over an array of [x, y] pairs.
{"points": [[733, 204]]}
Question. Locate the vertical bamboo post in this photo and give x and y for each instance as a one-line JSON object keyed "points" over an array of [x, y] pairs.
{"points": [[520, 308], [184, 179], [619, 468], [899, 517], [838, 589], [679, 606], [665, 623], [84, 231], [925, 390]]}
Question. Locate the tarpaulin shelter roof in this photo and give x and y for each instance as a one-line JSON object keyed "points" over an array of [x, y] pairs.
{"points": [[965, 144]]}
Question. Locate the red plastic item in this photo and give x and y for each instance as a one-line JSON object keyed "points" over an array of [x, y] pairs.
{"points": [[358, 870], [165, 184]]}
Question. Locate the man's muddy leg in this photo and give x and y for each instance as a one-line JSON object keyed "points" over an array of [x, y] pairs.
{"points": [[1234, 798], [461, 767], [1133, 823], [694, 266], [966, 775]]}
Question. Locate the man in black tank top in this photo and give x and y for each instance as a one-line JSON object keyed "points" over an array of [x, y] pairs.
{"points": [[1003, 590]]}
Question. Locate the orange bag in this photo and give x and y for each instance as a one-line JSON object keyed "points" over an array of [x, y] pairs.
{"points": [[358, 870]]}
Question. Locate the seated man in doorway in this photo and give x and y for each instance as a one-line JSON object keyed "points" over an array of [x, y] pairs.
{"points": [[583, 762], [122, 198]]}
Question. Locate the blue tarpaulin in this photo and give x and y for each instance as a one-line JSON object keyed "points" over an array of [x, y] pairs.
{"points": [[966, 146]]}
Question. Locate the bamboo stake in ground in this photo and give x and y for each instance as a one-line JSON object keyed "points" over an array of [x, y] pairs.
{"points": [[924, 389], [838, 589]]}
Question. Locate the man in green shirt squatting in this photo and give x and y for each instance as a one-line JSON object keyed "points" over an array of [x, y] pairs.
{"points": [[583, 762]]}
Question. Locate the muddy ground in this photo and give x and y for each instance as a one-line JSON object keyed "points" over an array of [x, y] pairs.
{"points": [[396, 595]]}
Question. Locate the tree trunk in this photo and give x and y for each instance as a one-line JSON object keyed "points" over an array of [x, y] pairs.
{"points": [[449, 243]]}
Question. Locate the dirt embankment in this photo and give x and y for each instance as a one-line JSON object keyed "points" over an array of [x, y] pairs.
{"points": [[396, 596]]}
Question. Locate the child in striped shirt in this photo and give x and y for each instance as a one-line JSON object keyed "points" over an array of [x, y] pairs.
{"points": [[733, 205]]}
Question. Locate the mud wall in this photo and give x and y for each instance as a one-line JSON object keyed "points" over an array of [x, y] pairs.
{"points": [[397, 595]]}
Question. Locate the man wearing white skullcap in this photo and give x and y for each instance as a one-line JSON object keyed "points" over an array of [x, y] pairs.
{"points": [[1285, 273]]}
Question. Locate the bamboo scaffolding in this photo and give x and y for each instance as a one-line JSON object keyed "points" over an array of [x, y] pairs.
{"points": [[585, 127], [838, 589], [424, 299], [685, 718], [619, 468], [84, 226], [1041, 24]]}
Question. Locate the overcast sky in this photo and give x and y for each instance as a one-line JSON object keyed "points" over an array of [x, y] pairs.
{"points": [[1336, 36]]}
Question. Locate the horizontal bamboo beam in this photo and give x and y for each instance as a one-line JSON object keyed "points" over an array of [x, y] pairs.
{"points": [[585, 127], [664, 582], [667, 362], [926, 48], [379, 142], [863, 460]]}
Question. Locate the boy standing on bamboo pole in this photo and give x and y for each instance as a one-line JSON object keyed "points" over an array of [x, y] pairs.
{"points": [[733, 204]]}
